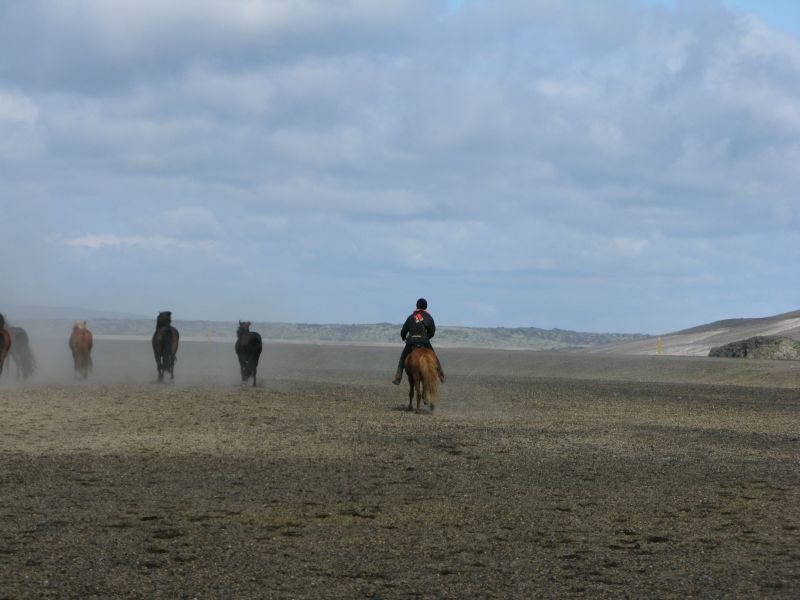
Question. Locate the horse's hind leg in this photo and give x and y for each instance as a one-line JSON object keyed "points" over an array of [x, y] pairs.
{"points": [[418, 392], [410, 393]]}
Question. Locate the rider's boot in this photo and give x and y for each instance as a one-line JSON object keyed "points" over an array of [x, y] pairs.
{"points": [[398, 376]]}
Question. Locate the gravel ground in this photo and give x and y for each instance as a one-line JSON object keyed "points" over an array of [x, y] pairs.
{"points": [[539, 476]]}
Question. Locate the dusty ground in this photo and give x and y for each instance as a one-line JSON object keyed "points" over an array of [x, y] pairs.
{"points": [[539, 476]]}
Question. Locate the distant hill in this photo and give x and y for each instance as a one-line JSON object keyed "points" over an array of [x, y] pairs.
{"points": [[16, 312], [773, 347], [698, 341], [56, 323], [523, 338]]}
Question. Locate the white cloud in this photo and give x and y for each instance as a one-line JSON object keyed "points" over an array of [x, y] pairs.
{"points": [[192, 222], [268, 223], [20, 133], [628, 247], [98, 241]]}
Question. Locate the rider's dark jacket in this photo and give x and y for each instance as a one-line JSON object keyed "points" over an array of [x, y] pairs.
{"points": [[419, 328]]}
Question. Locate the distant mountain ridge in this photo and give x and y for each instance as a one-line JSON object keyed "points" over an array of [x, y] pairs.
{"points": [[20, 312], [698, 340], [523, 338], [55, 323]]}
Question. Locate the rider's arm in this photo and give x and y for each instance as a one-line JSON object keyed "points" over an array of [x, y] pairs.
{"points": [[431, 327]]}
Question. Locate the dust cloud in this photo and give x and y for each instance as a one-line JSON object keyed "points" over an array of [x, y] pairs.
{"points": [[214, 364]]}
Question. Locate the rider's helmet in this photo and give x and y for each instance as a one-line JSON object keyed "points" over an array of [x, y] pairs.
{"points": [[422, 303]]}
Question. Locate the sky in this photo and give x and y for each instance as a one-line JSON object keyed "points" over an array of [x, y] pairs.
{"points": [[623, 166]]}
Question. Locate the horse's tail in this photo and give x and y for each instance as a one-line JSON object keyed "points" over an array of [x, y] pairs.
{"points": [[430, 377], [254, 346], [174, 338], [21, 351], [165, 343]]}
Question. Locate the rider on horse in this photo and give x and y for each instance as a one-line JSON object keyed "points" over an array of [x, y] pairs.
{"points": [[417, 331]]}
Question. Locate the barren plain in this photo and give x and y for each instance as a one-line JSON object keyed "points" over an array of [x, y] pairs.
{"points": [[540, 475]]}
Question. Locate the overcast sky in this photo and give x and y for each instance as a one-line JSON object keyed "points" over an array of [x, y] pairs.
{"points": [[624, 165]]}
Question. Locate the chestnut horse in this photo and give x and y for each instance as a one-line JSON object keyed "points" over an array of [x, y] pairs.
{"points": [[21, 352], [80, 342], [423, 377], [248, 350], [165, 345], [5, 342]]}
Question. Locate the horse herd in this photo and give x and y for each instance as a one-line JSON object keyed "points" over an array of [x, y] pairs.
{"points": [[420, 365], [14, 341]]}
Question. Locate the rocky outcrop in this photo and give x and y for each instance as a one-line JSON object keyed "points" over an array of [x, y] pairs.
{"points": [[766, 347]]}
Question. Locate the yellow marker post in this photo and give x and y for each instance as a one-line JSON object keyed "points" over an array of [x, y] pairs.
{"points": [[659, 344]]}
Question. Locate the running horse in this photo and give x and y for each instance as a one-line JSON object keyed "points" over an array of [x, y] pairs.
{"points": [[80, 342], [423, 377], [165, 345], [5, 342], [248, 350]]}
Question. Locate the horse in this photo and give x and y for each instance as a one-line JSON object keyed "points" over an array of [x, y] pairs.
{"points": [[165, 345], [80, 342], [423, 377], [248, 350], [21, 352], [5, 342]]}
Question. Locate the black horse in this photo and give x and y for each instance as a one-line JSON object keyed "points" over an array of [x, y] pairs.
{"points": [[248, 349], [21, 352], [165, 345]]}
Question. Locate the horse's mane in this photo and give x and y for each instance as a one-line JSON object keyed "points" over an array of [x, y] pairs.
{"points": [[246, 340], [2, 321], [164, 319]]}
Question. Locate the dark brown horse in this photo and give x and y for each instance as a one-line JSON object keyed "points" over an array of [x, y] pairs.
{"points": [[248, 350], [165, 345], [21, 352], [423, 377], [5, 342], [80, 342]]}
